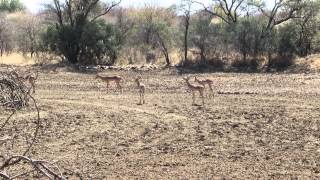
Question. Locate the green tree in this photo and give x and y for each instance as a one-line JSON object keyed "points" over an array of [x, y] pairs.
{"points": [[287, 40], [204, 34], [307, 26], [75, 23], [100, 43], [248, 33], [11, 5]]}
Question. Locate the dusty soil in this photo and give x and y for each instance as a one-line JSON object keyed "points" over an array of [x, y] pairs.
{"points": [[257, 126]]}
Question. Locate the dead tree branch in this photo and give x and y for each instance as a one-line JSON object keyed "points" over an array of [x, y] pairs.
{"points": [[39, 166], [14, 95], [106, 10], [230, 10]]}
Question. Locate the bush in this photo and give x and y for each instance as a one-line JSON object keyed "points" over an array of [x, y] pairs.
{"points": [[11, 5], [249, 63], [97, 44], [281, 62], [216, 63], [287, 41]]}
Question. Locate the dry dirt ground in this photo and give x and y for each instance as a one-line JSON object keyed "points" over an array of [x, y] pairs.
{"points": [[257, 126]]}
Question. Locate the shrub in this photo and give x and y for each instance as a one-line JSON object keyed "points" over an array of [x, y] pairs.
{"points": [[98, 44], [249, 63], [281, 62]]}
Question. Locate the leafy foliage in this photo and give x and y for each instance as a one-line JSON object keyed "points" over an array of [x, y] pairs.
{"points": [[98, 44], [11, 5], [203, 35], [95, 32], [78, 36]]}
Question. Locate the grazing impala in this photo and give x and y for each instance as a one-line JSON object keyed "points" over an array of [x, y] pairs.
{"points": [[204, 82], [194, 88], [142, 89], [108, 79]]}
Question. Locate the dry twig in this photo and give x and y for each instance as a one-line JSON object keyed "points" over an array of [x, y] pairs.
{"points": [[14, 95]]}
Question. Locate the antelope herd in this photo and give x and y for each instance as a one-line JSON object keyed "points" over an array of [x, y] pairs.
{"points": [[200, 87], [197, 86]]}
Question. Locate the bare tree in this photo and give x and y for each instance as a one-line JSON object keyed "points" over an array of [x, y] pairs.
{"points": [[123, 22], [164, 48], [155, 32], [282, 11], [228, 11], [5, 35], [28, 27], [186, 10]]}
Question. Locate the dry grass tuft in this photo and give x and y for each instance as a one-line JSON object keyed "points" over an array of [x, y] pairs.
{"points": [[16, 59]]}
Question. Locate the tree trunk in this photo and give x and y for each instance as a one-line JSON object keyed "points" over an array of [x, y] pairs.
{"points": [[164, 49], [72, 59], [202, 56], [1, 49], [244, 56], [269, 60], [308, 48], [186, 32], [166, 55], [32, 52]]}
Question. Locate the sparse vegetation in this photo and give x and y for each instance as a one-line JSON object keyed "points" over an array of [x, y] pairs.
{"points": [[170, 115], [218, 34], [101, 135]]}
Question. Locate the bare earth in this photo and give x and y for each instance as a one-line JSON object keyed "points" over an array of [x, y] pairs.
{"points": [[258, 126]]}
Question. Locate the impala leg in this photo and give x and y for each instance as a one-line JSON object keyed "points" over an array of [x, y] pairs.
{"points": [[143, 98], [119, 86], [193, 98], [33, 87], [140, 97], [211, 91], [107, 86], [201, 95]]}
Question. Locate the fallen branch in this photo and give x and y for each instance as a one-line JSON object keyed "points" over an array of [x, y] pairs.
{"points": [[6, 122], [38, 166], [14, 95]]}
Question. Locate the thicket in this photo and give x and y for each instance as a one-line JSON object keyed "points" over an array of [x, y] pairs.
{"points": [[243, 34]]}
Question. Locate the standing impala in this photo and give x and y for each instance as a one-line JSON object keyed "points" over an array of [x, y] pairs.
{"points": [[108, 79], [203, 82], [194, 88], [142, 89]]}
